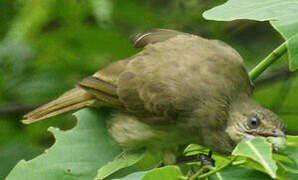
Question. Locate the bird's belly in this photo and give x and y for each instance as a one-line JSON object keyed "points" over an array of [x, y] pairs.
{"points": [[131, 133]]}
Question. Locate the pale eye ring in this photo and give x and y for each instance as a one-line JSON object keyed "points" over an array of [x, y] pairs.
{"points": [[253, 122]]}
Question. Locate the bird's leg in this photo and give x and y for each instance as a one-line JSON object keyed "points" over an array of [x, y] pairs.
{"points": [[203, 158]]}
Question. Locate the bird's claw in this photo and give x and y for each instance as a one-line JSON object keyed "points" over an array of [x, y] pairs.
{"points": [[206, 160], [203, 158]]}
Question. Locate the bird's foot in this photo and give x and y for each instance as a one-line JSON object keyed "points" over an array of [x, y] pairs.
{"points": [[203, 158]]}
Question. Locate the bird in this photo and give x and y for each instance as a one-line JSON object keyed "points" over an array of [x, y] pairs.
{"points": [[179, 89]]}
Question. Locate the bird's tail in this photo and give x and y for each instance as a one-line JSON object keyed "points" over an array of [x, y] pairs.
{"points": [[71, 100]]}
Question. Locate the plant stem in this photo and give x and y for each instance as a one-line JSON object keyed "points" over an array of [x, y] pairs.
{"points": [[193, 177], [217, 169], [265, 63], [213, 170]]}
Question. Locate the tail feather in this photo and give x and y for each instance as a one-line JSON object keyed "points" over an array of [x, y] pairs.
{"points": [[71, 100]]}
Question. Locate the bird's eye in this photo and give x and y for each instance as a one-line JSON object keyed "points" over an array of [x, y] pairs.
{"points": [[253, 122]]}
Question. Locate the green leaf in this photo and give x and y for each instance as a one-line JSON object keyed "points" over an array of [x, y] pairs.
{"points": [[124, 160], [287, 150], [163, 173], [133, 176], [238, 172], [292, 45], [278, 142], [292, 148], [259, 150], [195, 149], [292, 176], [292, 140], [287, 158], [288, 167], [148, 160], [282, 15], [76, 154]]}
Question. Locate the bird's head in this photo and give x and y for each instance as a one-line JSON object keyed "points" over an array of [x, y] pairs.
{"points": [[248, 120]]}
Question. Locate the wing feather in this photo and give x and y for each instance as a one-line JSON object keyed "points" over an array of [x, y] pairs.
{"points": [[150, 37]]}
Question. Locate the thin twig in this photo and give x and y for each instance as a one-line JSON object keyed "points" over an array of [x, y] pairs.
{"points": [[265, 63]]}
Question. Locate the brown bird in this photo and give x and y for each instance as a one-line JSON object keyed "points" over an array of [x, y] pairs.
{"points": [[180, 89]]}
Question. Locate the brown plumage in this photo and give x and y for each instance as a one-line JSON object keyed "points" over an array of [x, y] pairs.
{"points": [[180, 89]]}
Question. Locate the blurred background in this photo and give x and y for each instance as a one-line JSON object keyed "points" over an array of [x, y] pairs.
{"points": [[46, 46]]}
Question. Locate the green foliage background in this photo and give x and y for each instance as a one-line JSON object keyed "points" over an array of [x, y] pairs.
{"points": [[46, 46]]}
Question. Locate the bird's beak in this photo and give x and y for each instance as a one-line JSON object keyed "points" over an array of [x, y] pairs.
{"points": [[273, 133], [279, 133]]}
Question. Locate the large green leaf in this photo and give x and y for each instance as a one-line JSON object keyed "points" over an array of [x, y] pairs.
{"points": [[282, 15], [133, 176], [238, 172], [76, 154], [293, 49], [292, 148], [288, 149], [288, 167], [145, 161], [124, 160], [163, 173], [130, 162], [259, 150], [278, 142]]}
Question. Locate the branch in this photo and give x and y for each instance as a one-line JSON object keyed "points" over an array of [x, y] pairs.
{"points": [[265, 63]]}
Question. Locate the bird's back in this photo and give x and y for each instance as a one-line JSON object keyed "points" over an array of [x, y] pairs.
{"points": [[174, 73], [178, 73]]}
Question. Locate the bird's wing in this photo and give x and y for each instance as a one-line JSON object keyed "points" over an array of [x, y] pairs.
{"points": [[148, 85], [103, 84], [122, 83], [176, 71], [150, 37], [173, 73]]}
